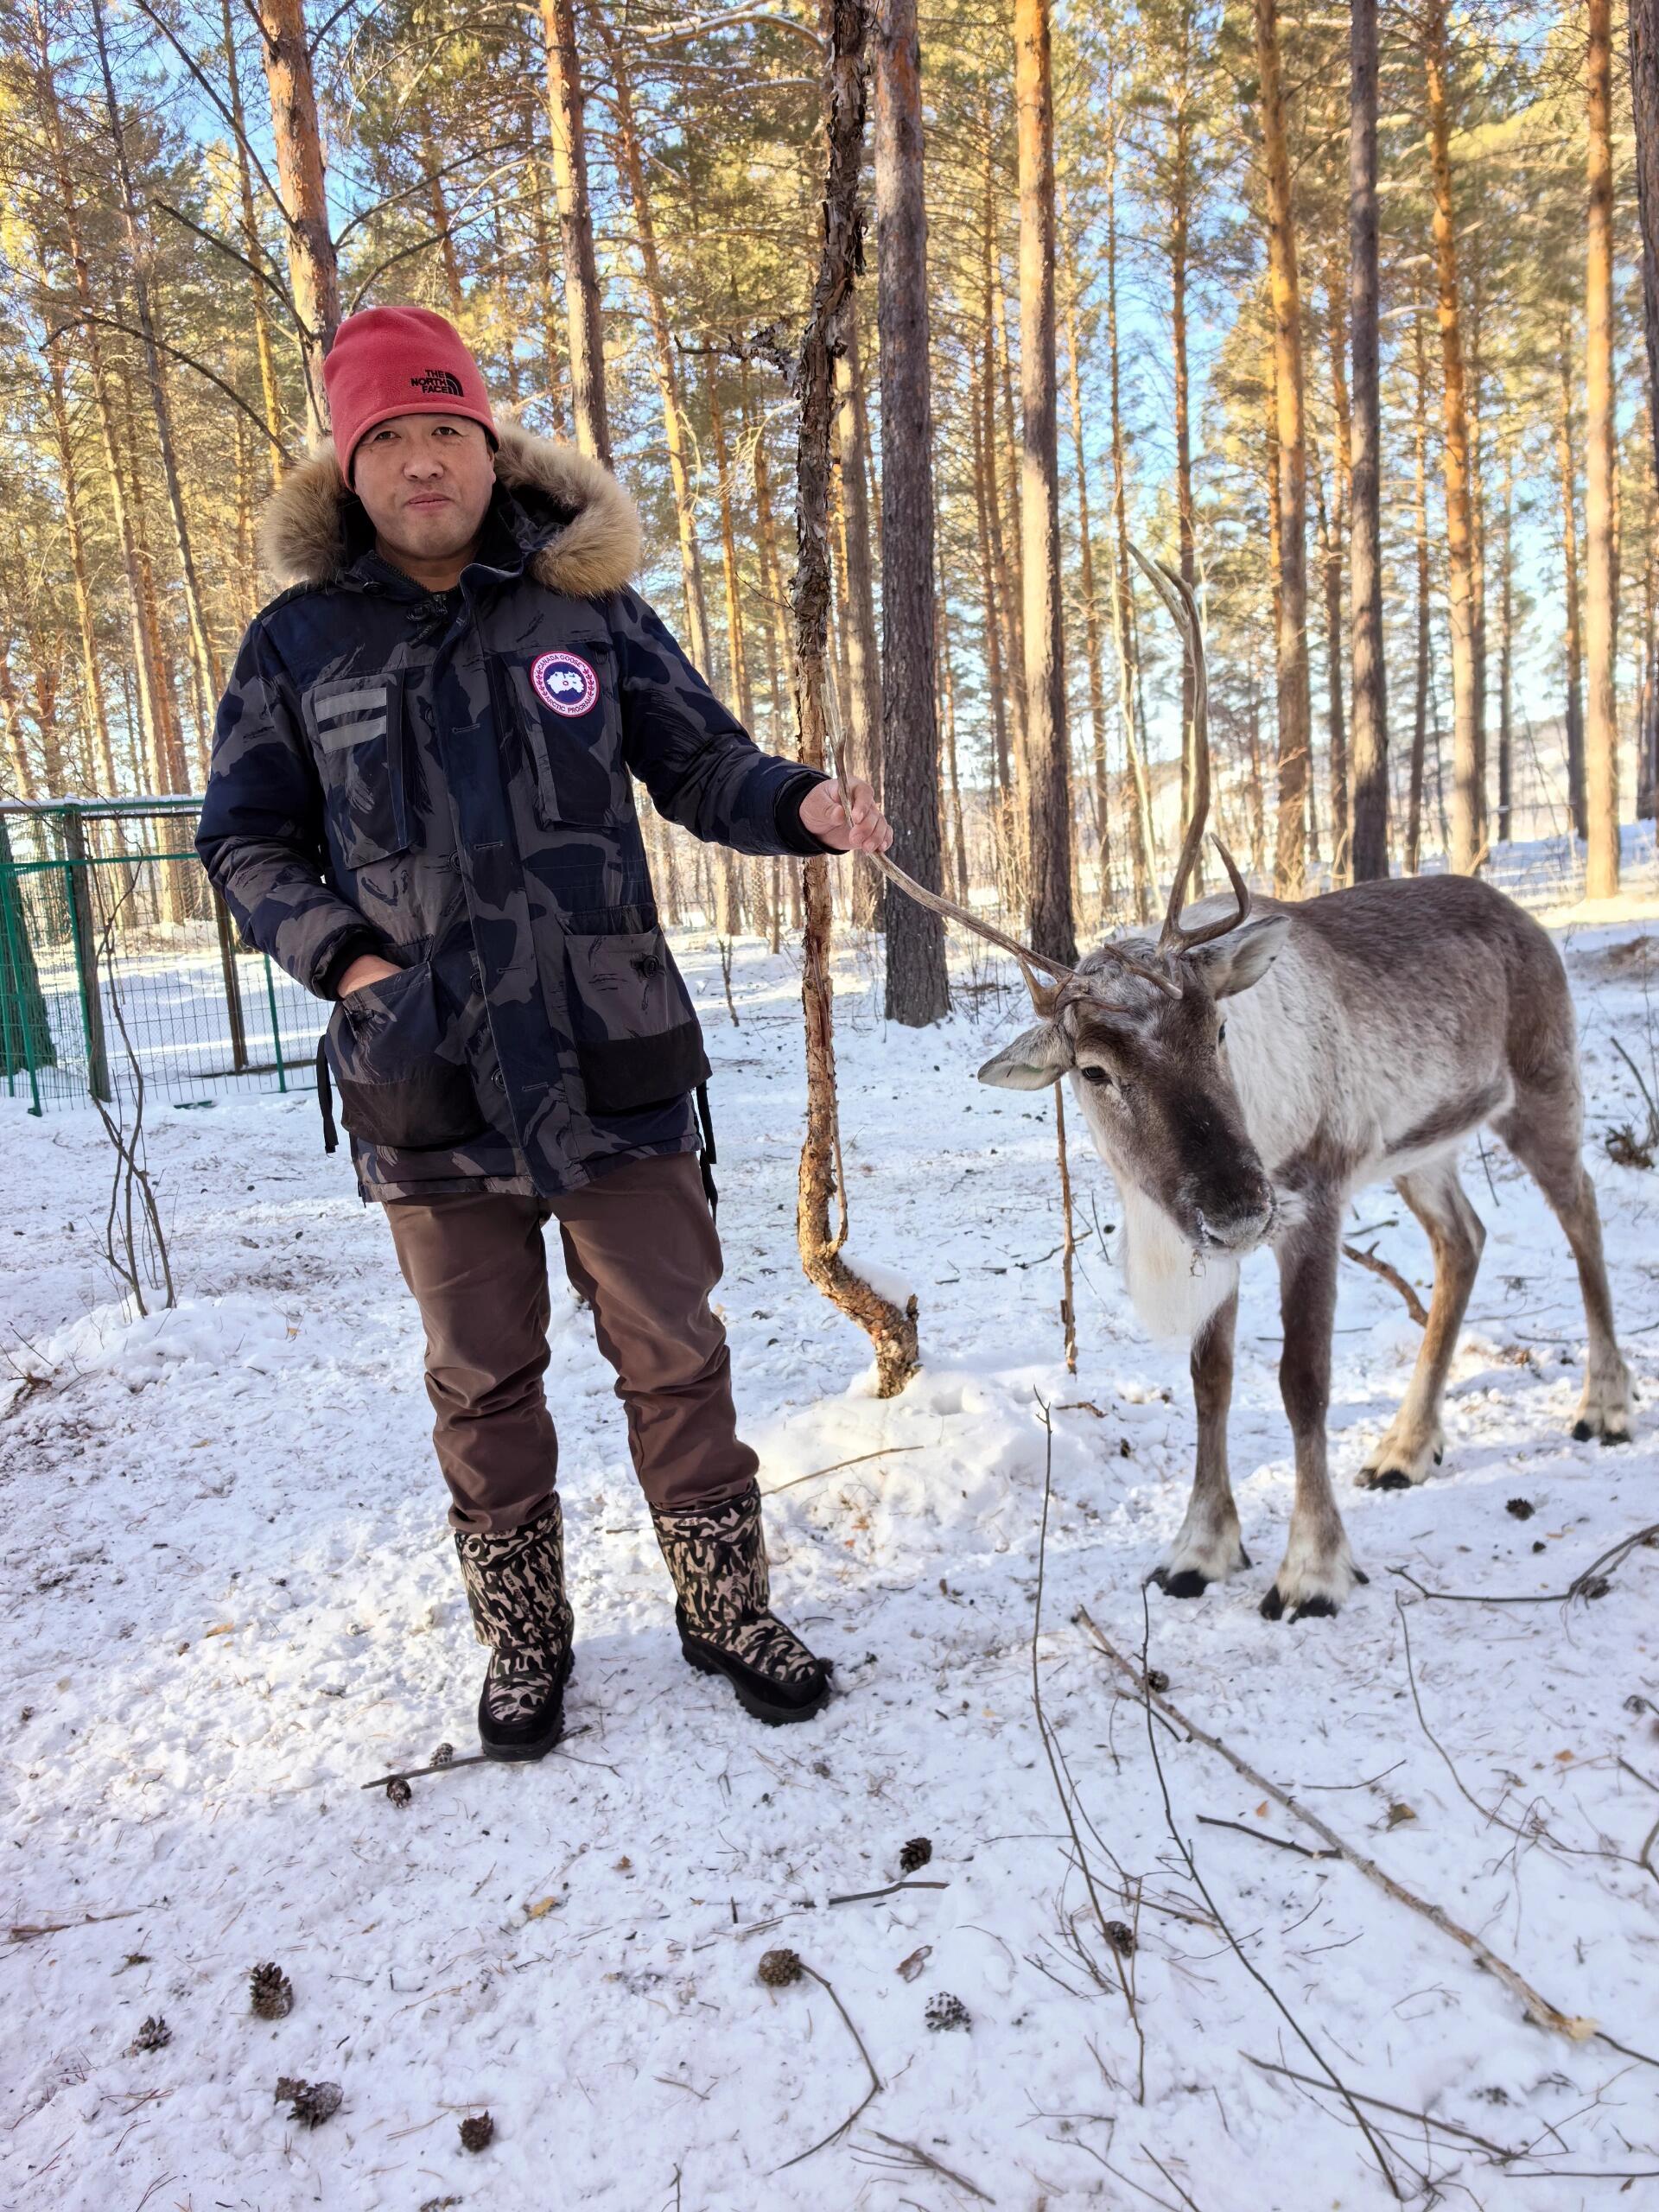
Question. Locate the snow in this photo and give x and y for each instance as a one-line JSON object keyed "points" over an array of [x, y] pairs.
{"points": [[231, 1600]]}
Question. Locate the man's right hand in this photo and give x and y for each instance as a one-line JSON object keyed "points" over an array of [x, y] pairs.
{"points": [[367, 968]]}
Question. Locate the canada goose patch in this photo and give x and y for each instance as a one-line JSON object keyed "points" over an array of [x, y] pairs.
{"points": [[565, 681]]}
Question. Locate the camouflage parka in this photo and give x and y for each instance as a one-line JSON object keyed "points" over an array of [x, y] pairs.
{"points": [[445, 779]]}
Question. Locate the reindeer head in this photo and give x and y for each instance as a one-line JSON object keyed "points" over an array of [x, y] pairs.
{"points": [[1141, 1027]]}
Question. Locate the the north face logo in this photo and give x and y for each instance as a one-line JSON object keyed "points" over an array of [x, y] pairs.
{"points": [[439, 381]]}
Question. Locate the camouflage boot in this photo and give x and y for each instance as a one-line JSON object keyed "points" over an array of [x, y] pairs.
{"points": [[515, 1587], [717, 1556]]}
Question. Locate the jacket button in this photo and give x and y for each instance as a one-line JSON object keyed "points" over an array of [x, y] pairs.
{"points": [[497, 1079]]}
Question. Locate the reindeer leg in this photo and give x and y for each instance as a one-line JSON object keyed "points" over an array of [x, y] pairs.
{"points": [[1318, 1570], [1543, 1130], [1207, 1549], [1414, 1444]]}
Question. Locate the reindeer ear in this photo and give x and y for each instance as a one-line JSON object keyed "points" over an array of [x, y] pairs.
{"points": [[1031, 1063], [1233, 962]]}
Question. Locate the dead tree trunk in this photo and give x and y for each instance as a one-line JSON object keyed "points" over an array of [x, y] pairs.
{"points": [[917, 988], [314, 269], [582, 304], [858, 608], [891, 1331], [1048, 784], [1600, 521]]}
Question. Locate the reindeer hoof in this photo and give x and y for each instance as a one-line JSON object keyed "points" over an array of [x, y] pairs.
{"points": [[1188, 1583], [1385, 1478], [1315, 1609], [1272, 1605]]}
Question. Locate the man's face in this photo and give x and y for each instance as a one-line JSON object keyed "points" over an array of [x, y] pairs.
{"points": [[425, 482]]}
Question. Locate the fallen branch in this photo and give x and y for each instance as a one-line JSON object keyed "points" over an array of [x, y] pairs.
{"points": [[1592, 1582], [1574, 2027], [863, 1897], [1403, 2112], [24, 1932], [888, 1450], [1279, 1842], [873, 2092], [912, 2156], [1068, 1248], [447, 1766], [1370, 1261]]}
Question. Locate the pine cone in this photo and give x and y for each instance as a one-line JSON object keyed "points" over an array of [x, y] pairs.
{"points": [[914, 1855], [271, 1993], [442, 1756], [946, 2011], [1121, 1936], [288, 2086], [779, 1968], [314, 2101], [477, 2132], [155, 2034], [398, 1790]]}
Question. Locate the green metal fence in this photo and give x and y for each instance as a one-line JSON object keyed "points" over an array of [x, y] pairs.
{"points": [[117, 958]]}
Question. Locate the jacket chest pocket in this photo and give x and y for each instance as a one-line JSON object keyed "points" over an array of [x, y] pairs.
{"points": [[563, 705], [356, 726], [637, 1037]]}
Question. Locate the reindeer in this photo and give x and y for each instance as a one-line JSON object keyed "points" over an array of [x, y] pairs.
{"points": [[1246, 1073]]}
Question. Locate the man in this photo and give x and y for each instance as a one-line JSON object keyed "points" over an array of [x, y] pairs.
{"points": [[420, 805]]}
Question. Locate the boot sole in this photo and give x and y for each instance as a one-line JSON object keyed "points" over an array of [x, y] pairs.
{"points": [[532, 1747], [775, 1716]]}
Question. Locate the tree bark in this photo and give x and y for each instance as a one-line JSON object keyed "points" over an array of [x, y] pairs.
{"points": [[1644, 103], [917, 988], [1371, 723], [1419, 533], [1601, 721], [1048, 787], [859, 635], [270, 392], [581, 299], [1573, 627], [1506, 661], [92, 667], [1086, 585], [313, 266], [1465, 852], [1129, 670], [1290, 470], [891, 1331]]}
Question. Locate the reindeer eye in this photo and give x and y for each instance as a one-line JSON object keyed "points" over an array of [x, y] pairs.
{"points": [[1221, 1034], [1095, 1075]]}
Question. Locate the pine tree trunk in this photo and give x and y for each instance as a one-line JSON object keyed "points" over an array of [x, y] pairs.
{"points": [[437, 206], [1644, 100], [995, 679], [1465, 852], [1290, 471], [863, 739], [1086, 583], [1370, 724], [730, 917], [581, 301], [1573, 632], [892, 1332], [92, 666], [662, 356], [1048, 801], [1128, 672], [1180, 218], [313, 266], [1601, 721], [917, 988], [270, 388], [1506, 661], [1419, 519], [1008, 595], [547, 305]]}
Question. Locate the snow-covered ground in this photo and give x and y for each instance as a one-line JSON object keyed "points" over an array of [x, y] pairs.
{"points": [[231, 1601]]}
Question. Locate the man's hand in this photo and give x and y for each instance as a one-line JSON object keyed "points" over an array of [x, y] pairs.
{"points": [[367, 968], [852, 824]]}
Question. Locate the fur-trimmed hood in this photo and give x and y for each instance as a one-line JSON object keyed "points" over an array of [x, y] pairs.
{"points": [[303, 537]]}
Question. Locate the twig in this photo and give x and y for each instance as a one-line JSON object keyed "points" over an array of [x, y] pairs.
{"points": [[725, 945], [24, 1932], [1279, 1842], [926, 2161], [863, 1897], [873, 2092], [1401, 2111], [1171, 2179], [1574, 2027], [1415, 1304], [447, 1766], [1584, 1584], [1054, 1767], [1148, 1694], [1069, 1244], [888, 1450]]}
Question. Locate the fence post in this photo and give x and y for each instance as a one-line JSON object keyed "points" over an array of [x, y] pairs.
{"points": [[80, 922], [11, 991], [233, 986], [276, 1025]]}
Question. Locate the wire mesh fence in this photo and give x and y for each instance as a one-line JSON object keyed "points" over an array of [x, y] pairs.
{"points": [[119, 963]]}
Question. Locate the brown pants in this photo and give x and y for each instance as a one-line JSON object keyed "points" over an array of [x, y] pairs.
{"points": [[640, 1247]]}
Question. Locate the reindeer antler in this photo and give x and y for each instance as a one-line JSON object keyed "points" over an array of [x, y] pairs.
{"points": [[1046, 998], [1177, 595]]}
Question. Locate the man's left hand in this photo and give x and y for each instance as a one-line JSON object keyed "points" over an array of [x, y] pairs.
{"points": [[853, 823]]}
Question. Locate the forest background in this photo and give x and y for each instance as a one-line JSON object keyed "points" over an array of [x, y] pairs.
{"points": [[1133, 275]]}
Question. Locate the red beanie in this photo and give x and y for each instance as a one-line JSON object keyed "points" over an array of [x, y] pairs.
{"points": [[390, 361]]}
